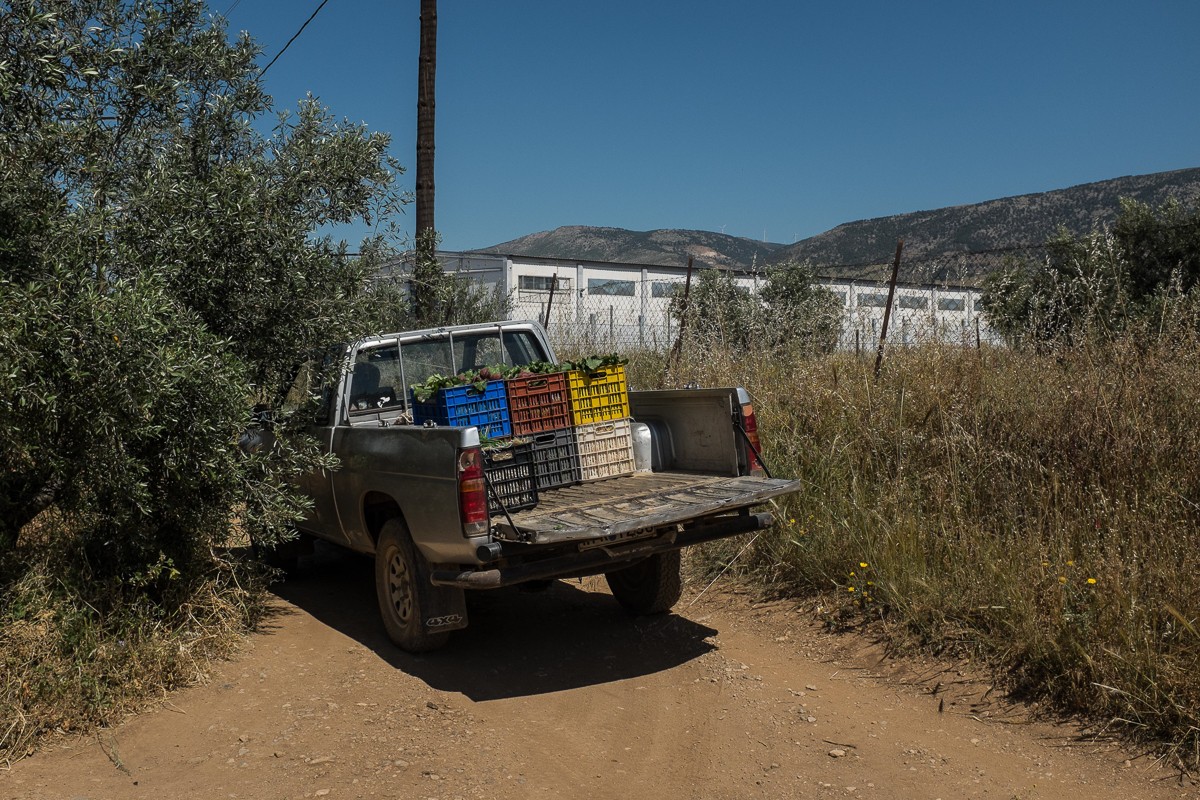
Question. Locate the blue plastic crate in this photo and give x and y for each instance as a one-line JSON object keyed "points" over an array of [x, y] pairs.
{"points": [[461, 406]]}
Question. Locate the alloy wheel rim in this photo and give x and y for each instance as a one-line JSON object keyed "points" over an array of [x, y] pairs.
{"points": [[400, 587]]}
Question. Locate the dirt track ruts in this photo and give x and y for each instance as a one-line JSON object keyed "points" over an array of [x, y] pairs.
{"points": [[559, 694]]}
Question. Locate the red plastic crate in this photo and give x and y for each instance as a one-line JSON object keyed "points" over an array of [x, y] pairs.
{"points": [[539, 403]]}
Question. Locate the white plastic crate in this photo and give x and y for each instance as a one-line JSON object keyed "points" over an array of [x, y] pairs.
{"points": [[605, 449]]}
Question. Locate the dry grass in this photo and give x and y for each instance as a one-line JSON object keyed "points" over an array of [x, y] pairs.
{"points": [[75, 656], [1041, 510]]}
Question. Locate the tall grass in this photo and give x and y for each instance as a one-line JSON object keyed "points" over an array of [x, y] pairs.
{"points": [[77, 652], [1039, 509]]}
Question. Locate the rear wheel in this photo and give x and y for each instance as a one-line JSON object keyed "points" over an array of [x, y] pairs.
{"points": [[651, 586], [400, 575]]}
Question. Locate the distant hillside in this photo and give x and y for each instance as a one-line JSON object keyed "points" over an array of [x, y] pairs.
{"points": [[1011, 221], [668, 247], [844, 250]]}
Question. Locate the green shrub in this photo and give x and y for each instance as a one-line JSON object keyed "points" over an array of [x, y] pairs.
{"points": [[161, 270]]}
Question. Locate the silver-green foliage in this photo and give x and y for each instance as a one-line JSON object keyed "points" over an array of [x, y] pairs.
{"points": [[790, 311], [160, 267], [1100, 285]]}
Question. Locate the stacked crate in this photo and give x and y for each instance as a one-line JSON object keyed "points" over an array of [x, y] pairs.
{"points": [[508, 469], [507, 464], [600, 408], [541, 409], [460, 406], [545, 430], [578, 422]]}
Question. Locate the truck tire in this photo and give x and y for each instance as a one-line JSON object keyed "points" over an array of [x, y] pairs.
{"points": [[401, 575], [651, 586]]}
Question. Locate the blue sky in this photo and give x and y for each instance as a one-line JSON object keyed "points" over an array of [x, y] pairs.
{"points": [[775, 120]]}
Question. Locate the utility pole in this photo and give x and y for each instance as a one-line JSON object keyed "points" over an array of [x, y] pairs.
{"points": [[426, 74], [426, 274]]}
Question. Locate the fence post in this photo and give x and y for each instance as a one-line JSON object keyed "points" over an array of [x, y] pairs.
{"points": [[643, 288], [887, 309], [683, 317], [550, 301]]}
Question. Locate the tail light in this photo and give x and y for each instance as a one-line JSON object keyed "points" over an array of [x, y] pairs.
{"points": [[472, 492], [750, 425]]}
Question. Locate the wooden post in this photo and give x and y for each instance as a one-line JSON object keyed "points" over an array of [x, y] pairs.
{"points": [[550, 302], [426, 77], [683, 309], [887, 309]]}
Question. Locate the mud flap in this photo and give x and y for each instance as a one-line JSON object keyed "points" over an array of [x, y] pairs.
{"points": [[444, 607]]}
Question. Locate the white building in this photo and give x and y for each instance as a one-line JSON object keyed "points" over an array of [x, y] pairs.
{"points": [[628, 305]]}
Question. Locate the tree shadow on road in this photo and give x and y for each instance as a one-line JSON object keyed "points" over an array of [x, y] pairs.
{"points": [[519, 643]]}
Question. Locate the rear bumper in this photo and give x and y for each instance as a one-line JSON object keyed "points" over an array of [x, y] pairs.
{"points": [[604, 557]]}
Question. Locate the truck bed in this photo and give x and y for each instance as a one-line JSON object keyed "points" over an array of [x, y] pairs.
{"points": [[607, 511]]}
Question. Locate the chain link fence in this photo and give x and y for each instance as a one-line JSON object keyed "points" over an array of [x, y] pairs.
{"points": [[937, 298], [603, 307]]}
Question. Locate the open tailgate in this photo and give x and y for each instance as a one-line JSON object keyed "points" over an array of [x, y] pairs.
{"points": [[613, 509]]}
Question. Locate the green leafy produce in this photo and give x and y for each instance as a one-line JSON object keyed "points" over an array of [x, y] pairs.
{"points": [[593, 363], [476, 379], [479, 379], [538, 368]]}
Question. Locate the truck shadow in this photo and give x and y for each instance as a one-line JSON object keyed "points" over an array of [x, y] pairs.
{"points": [[519, 643]]}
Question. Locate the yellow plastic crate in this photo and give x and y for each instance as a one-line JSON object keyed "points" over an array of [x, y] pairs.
{"points": [[599, 396]]}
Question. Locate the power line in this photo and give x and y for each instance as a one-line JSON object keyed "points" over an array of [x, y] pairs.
{"points": [[297, 34]]}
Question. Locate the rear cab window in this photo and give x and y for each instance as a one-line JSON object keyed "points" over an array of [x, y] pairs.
{"points": [[382, 373]]}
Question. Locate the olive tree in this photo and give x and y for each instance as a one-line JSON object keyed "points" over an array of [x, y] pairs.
{"points": [[1096, 285], [161, 267], [789, 311], [717, 311], [800, 312]]}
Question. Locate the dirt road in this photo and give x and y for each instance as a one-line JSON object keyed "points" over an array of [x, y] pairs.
{"points": [[558, 694]]}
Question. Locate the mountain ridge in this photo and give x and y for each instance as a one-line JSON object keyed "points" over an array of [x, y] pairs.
{"points": [[854, 248]]}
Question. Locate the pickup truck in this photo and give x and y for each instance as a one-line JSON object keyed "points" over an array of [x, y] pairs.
{"points": [[413, 496]]}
